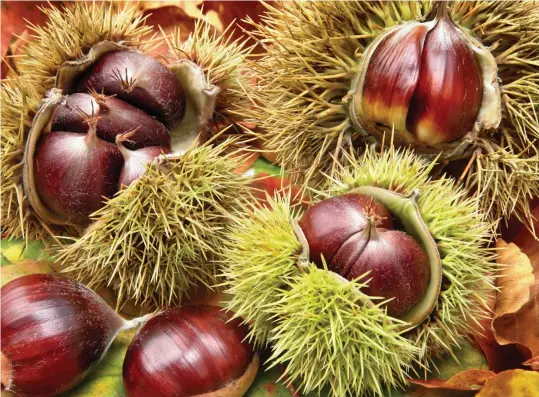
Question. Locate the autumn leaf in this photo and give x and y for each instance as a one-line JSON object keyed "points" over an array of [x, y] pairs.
{"points": [[471, 379], [513, 383], [528, 243], [13, 28], [466, 369], [499, 358], [264, 151], [517, 302]]}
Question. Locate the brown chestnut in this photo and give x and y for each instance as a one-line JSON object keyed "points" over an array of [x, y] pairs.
{"points": [[75, 172], [135, 161], [53, 331], [335, 225], [190, 351]]}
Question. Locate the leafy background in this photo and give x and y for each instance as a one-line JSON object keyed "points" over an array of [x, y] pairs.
{"points": [[483, 367]]}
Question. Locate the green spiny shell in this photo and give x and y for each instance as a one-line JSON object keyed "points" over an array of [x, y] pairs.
{"points": [[314, 324]]}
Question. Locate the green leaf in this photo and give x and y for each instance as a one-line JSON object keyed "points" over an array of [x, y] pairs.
{"points": [[262, 165], [15, 250]]}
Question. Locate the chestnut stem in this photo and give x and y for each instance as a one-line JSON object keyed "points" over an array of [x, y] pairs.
{"points": [[438, 11], [91, 136], [136, 322], [120, 139], [304, 257]]}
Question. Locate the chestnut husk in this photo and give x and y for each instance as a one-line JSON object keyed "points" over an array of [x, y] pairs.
{"points": [[200, 103], [303, 81], [190, 351], [292, 303], [198, 181]]}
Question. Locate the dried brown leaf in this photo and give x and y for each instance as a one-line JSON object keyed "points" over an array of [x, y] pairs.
{"points": [[514, 383], [472, 379], [517, 303]]}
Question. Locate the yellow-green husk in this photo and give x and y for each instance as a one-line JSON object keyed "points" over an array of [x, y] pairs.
{"points": [[311, 322], [157, 238]]}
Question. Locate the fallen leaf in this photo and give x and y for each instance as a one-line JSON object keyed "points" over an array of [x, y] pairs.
{"points": [[268, 154], [471, 379], [513, 383], [529, 244], [250, 158], [23, 268], [265, 184], [499, 358], [517, 302], [516, 280], [14, 17], [467, 358]]}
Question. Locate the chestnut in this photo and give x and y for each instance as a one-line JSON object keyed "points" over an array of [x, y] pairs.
{"points": [[75, 168], [135, 161], [53, 331], [140, 80], [353, 235], [190, 351], [75, 172], [336, 225]]}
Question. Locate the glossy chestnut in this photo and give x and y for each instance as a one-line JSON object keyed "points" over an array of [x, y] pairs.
{"points": [[53, 331], [190, 351], [336, 225], [114, 117], [430, 81], [135, 161], [75, 173]]}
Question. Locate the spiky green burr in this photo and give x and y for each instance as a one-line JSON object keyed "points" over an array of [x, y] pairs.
{"points": [[313, 51], [324, 331], [155, 239]]}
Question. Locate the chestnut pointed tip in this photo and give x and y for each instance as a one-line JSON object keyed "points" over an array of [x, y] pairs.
{"points": [[5, 376]]}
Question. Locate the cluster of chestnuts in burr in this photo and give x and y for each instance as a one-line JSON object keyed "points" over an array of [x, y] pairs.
{"points": [[355, 234], [100, 138], [54, 325]]}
